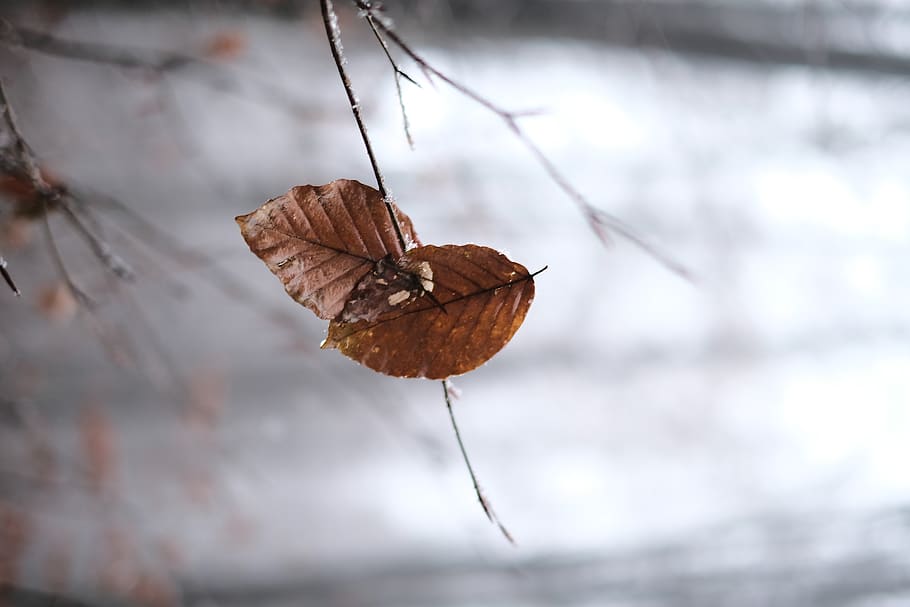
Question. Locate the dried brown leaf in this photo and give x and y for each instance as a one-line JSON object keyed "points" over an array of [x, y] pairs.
{"points": [[438, 312], [320, 241]]}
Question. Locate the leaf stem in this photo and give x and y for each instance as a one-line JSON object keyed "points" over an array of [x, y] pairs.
{"points": [[330, 19]]}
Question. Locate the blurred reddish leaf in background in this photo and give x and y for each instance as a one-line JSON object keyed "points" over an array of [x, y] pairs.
{"points": [[57, 303], [98, 448], [205, 400], [16, 233], [226, 45]]}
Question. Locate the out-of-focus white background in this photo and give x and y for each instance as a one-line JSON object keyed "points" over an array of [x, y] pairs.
{"points": [[741, 439]]}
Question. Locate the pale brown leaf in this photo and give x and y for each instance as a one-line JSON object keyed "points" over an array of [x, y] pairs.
{"points": [[320, 241]]}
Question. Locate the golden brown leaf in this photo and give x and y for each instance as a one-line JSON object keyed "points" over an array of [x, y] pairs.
{"points": [[443, 311], [320, 241]]}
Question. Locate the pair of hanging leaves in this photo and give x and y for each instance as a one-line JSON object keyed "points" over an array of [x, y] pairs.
{"points": [[419, 311]]}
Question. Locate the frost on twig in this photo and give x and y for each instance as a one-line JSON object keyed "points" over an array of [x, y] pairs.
{"points": [[601, 222]]}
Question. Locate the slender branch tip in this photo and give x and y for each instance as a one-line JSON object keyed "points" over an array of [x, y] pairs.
{"points": [[448, 393]]}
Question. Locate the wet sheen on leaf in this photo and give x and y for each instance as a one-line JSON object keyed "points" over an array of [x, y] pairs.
{"points": [[430, 311]]}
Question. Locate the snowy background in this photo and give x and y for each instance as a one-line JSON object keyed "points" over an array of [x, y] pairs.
{"points": [[742, 439]]}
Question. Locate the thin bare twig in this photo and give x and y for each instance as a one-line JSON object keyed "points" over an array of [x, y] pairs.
{"points": [[600, 221], [330, 19], [399, 74], [81, 296], [484, 502], [23, 151], [334, 36], [118, 347], [57, 196], [8, 277], [26, 158]]}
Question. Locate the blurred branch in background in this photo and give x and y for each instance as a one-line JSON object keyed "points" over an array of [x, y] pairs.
{"points": [[35, 196], [835, 35], [159, 63], [42, 42]]}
